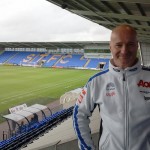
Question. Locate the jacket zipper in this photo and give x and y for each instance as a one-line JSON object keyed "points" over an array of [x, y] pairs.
{"points": [[126, 113], [124, 79]]}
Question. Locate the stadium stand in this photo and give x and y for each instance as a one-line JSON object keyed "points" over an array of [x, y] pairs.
{"points": [[94, 63], [52, 60], [23, 58], [6, 55], [38, 60], [70, 61]]}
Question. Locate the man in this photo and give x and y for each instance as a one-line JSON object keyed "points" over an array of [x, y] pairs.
{"points": [[123, 95]]}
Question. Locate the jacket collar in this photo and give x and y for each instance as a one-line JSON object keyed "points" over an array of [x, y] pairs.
{"points": [[128, 71]]}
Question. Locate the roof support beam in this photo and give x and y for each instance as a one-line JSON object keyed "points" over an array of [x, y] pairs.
{"points": [[116, 23], [129, 1], [112, 15]]}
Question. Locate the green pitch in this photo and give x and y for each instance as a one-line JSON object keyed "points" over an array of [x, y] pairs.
{"points": [[30, 85]]}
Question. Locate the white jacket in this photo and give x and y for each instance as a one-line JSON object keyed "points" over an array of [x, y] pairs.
{"points": [[124, 100]]}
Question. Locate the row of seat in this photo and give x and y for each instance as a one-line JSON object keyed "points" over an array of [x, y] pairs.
{"points": [[51, 60], [32, 132]]}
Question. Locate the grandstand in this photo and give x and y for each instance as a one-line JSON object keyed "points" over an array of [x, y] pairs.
{"points": [[86, 57]]}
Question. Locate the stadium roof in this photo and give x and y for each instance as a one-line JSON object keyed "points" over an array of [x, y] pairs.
{"points": [[109, 13], [52, 45]]}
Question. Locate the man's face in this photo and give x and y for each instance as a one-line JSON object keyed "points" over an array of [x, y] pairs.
{"points": [[123, 47]]}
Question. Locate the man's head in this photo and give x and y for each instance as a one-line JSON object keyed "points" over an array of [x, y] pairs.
{"points": [[124, 46]]}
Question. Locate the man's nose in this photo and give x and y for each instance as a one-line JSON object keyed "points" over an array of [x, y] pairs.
{"points": [[124, 49]]}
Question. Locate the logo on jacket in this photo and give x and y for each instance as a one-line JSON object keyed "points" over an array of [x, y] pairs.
{"points": [[82, 94], [110, 89], [147, 98], [145, 92], [110, 86], [144, 84]]}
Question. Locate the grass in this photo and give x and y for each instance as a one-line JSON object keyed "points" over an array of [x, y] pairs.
{"points": [[30, 85]]}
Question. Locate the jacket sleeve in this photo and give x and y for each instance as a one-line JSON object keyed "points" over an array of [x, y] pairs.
{"points": [[82, 111]]}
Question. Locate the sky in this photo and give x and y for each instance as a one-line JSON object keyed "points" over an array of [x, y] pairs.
{"points": [[42, 21]]}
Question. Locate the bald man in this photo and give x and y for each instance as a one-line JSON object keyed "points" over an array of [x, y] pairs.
{"points": [[124, 46], [123, 95]]}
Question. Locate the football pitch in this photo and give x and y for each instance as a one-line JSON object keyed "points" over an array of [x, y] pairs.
{"points": [[30, 85]]}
